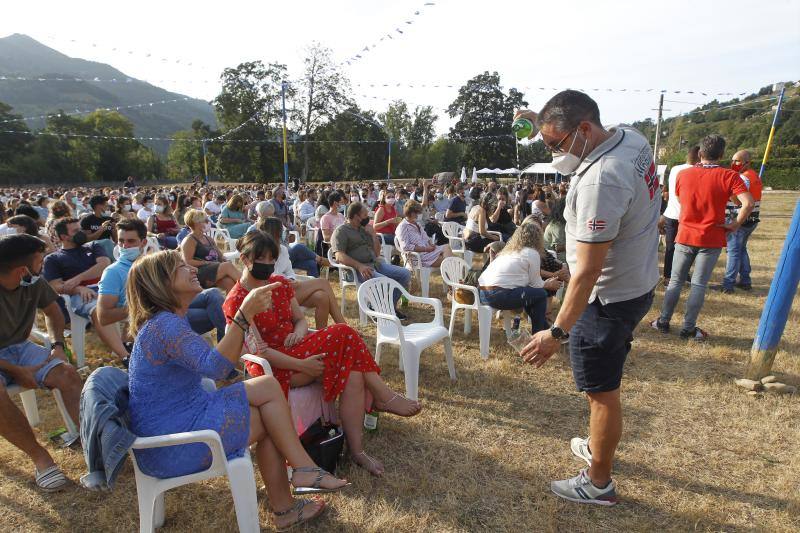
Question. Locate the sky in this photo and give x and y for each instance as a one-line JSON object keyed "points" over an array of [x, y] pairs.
{"points": [[680, 45]]}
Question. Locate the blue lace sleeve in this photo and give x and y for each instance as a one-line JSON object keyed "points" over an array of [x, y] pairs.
{"points": [[183, 346]]}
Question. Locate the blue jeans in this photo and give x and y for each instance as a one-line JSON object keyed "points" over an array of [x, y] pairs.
{"points": [[738, 258], [704, 260], [205, 313], [532, 299], [168, 242], [399, 274], [303, 258]]}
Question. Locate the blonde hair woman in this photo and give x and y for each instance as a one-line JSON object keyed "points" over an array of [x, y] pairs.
{"points": [[166, 395], [513, 280], [200, 251]]}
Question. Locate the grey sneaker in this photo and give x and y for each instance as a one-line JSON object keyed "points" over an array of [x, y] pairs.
{"points": [[580, 489], [580, 449]]}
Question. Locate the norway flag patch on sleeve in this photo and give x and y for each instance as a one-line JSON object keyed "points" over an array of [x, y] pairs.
{"points": [[596, 224]]}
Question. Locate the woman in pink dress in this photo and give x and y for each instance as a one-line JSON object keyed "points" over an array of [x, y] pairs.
{"points": [[336, 356]]}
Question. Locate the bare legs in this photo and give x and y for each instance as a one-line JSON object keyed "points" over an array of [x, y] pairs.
{"points": [[317, 293], [110, 335], [14, 426], [605, 431], [227, 274], [272, 431], [15, 429]]}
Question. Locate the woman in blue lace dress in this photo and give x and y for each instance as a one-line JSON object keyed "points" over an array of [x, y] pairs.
{"points": [[167, 365]]}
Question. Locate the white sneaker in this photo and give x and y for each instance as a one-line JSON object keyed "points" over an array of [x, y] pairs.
{"points": [[580, 449], [580, 489]]}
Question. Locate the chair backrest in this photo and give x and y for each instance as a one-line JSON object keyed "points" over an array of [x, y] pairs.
{"points": [[408, 258], [454, 270], [152, 245], [439, 217], [332, 258], [452, 229], [377, 294]]}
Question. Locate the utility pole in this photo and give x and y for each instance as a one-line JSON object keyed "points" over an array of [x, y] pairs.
{"points": [[772, 132], [389, 162], [658, 129]]}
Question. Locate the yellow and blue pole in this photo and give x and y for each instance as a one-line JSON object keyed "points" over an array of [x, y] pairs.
{"points": [[778, 304], [771, 133], [285, 147], [389, 162]]}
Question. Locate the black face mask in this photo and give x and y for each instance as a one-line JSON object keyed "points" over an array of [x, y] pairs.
{"points": [[262, 271], [365, 221], [79, 238]]}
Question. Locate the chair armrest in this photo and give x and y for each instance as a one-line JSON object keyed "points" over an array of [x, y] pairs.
{"points": [[303, 277], [391, 318], [204, 436], [499, 235], [263, 363], [434, 302]]}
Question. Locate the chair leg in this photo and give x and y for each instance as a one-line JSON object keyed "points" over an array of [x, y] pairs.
{"points": [[378, 347], [410, 360], [151, 508], [453, 310], [507, 323], [79, 339], [424, 281], [400, 365], [467, 321], [68, 422], [30, 407], [448, 355], [243, 488], [343, 287], [484, 329]]}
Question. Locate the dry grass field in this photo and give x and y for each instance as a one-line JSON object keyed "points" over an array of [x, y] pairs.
{"points": [[697, 453]]}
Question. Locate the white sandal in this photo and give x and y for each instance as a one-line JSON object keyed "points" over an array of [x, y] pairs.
{"points": [[51, 479]]}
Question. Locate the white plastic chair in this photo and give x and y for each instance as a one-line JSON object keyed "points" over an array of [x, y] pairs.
{"points": [[422, 273], [455, 234], [28, 396], [312, 226], [376, 298], [439, 216], [454, 271], [387, 250], [150, 490], [344, 272], [222, 235], [296, 235], [77, 328]]}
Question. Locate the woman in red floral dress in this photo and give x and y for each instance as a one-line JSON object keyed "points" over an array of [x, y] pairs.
{"points": [[336, 356]]}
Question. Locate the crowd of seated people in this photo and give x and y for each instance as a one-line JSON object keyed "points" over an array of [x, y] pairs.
{"points": [[93, 247]]}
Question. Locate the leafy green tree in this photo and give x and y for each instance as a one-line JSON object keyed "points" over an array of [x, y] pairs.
{"points": [[485, 113], [323, 92]]}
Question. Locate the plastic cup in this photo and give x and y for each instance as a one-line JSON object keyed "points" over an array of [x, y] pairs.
{"points": [[519, 339]]}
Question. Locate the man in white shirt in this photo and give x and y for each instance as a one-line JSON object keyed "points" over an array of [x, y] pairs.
{"points": [[668, 225], [214, 207], [147, 210], [308, 207]]}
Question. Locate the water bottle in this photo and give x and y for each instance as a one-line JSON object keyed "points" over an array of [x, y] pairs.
{"points": [[68, 353], [371, 421], [403, 301], [522, 128]]}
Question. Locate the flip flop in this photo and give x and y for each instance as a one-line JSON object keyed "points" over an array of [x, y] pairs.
{"points": [[315, 488], [51, 479]]}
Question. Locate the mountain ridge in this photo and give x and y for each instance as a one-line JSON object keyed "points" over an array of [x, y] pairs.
{"points": [[24, 56]]}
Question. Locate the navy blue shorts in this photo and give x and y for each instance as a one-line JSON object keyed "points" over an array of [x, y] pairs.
{"points": [[600, 340]]}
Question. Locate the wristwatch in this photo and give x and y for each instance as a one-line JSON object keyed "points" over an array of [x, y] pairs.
{"points": [[559, 333], [57, 343]]}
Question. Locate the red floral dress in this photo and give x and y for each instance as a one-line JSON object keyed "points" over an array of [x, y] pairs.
{"points": [[346, 351]]}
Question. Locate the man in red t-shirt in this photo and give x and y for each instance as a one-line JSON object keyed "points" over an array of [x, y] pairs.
{"points": [[738, 264], [703, 191]]}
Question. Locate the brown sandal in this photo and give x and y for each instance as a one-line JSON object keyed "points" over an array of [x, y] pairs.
{"points": [[315, 488]]}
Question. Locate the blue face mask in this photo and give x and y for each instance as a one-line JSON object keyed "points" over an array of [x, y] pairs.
{"points": [[130, 254]]}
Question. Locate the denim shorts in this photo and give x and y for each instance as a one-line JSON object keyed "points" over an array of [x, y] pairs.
{"points": [[600, 340], [28, 354], [81, 308]]}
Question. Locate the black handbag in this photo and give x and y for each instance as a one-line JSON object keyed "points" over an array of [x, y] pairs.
{"points": [[324, 443]]}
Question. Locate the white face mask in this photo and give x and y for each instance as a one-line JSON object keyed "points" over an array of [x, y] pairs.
{"points": [[567, 162], [126, 207], [149, 207], [106, 213]]}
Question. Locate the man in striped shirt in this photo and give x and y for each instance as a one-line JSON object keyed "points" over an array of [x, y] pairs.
{"points": [[738, 264]]}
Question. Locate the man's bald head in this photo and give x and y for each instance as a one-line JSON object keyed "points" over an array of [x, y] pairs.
{"points": [[741, 160]]}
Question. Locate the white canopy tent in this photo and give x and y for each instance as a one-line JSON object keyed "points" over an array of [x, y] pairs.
{"points": [[540, 168], [474, 175], [510, 171], [490, 171], [463, 174]]}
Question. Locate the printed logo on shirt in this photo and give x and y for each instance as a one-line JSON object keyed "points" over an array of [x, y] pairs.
{"points": [[596, 225], [645, 161]]}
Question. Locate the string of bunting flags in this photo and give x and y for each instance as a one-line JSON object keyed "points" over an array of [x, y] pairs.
{"points": [[397, 32], [220, 138], [392, 85], [117, 108]]}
